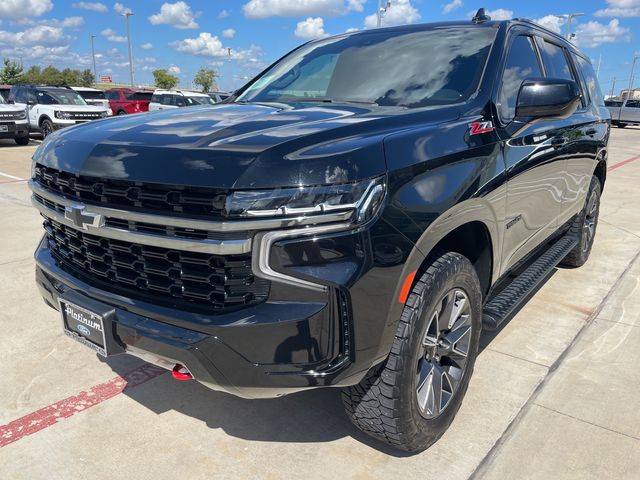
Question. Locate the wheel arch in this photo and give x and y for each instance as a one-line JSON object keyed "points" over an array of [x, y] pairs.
{"points": [[600, 171], [42, 118]]}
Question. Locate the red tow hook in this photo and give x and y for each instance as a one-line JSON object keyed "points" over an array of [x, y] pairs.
{"points": [[180, 372]]}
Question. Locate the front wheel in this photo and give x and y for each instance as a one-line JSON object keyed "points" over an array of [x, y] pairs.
{"points": [[46, 127], [24, 140], [584, 227], [121, 112], [410, 401], [621, 125]]}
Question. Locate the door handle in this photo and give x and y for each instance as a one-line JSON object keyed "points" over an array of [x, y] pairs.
{"points": [[559, 141]]}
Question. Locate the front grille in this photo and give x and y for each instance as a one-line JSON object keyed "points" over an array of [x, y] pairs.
{"points": [[175, 278], [84, 115], [158, 198], [8, 116]]}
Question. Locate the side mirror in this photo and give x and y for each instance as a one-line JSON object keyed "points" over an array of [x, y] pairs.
{"points": [[31, 102], [547, 97]]}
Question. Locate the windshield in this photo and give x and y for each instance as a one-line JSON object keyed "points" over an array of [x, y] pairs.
{"points": [[146, 96], [2, 100], [430, 67], [204, 100], [62, 97]]}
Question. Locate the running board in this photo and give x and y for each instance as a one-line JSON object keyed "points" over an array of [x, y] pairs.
{"points": [[505, 303]]}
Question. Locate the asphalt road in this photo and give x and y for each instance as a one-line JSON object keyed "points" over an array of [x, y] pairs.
{"points": [[555, 393]]}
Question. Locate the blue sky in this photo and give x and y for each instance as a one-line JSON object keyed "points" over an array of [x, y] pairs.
{"points": [[240, 37]]}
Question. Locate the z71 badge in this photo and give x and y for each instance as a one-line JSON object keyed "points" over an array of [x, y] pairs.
{"points": [[481, 127]]}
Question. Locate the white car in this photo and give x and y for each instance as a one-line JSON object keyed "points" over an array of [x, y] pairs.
{"points": [[93, 96], [13, 121], [51, 108], [166, 99]]}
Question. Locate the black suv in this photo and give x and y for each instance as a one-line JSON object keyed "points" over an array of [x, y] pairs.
{"points": [[350, 218]]}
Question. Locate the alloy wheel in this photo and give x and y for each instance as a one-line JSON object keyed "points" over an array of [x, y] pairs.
{"points": [[445, 348], [590, 219]]}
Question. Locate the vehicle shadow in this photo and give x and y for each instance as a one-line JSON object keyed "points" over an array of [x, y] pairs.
{"points": [[313, 416]]}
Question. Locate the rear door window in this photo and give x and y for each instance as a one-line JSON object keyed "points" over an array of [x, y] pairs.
{"points": [[522, 63], [555, 61]]}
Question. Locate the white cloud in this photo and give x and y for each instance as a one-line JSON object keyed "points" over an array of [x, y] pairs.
{"points": [[552, 22], [223, 14], [24, 8], [593, 34], [228, 33], [351, 30], [205, 45], [112, 36], [72, 22], [146, 46], [121, 9], [298, 8], [500, 14], [310, 29], [174, 70], [401, 12], [178, 15], [93, 6], [41, 35], [620, 8], [451, 6]]}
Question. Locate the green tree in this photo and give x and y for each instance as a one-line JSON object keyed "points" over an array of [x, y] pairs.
{"points": [[69, 77], [52, 76], [33, 75], [11, 71], [86, 78], [205, 78], [163, 79]]}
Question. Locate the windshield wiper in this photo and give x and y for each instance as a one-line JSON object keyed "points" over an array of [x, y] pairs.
{"points": [[333, 100]]}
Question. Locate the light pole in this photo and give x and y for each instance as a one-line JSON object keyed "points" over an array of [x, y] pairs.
{"points": [[126, 14], [382, 10], [569, 17], [633, 66], [613, 87], [93, 54]]}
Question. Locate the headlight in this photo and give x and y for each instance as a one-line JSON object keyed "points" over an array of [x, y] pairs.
{"points": [[63, 115], [362, 198], [21, 115], [104, 114]]}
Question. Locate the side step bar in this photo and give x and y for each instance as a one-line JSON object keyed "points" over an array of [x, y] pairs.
{"points": [[502, 305]]}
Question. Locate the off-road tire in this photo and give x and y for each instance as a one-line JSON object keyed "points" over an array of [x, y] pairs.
{"points": [[384, 405], [580, 253], [46, 126], [22, 140]]}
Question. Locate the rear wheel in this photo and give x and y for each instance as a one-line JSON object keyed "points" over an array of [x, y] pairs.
{"points": [[24, 140], [584, 227], [410, 401], [121, 112]]}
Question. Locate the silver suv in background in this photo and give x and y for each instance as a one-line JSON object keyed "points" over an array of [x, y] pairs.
{"points": [[93, 96], [51, 108], [168, 99], [625, 112]]}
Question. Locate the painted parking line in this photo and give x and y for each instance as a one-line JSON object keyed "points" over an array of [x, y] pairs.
{"points": [[12, 177], [623, 163], [50, 415]]}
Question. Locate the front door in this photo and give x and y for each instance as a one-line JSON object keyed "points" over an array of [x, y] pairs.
{"points": [[533, 156]]}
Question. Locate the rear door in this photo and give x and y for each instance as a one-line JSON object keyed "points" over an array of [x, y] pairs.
{"points": [[533, 156]]}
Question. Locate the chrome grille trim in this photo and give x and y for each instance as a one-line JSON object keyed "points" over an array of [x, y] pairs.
{"points": [[213, 226]]}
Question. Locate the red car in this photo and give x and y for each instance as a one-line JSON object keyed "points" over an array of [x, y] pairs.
{"points": [[128, 100]]}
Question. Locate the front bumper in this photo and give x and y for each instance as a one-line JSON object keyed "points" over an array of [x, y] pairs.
{"points": [[274, 348], [15, 130]]}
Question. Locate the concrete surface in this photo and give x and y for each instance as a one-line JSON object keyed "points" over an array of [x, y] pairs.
{"points": [[555, 393]]}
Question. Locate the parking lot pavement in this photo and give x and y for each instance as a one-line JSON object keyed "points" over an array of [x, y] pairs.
{"points": [[555, 392]]}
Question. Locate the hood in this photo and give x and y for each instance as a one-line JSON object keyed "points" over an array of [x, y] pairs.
{"points": [[234, 145], [13, 107]]}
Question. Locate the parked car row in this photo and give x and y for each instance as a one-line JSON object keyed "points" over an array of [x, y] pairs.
{"points": [[45, 109]]}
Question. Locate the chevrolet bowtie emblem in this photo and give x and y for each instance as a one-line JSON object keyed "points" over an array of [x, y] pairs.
{"points": [[78, 214]]}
